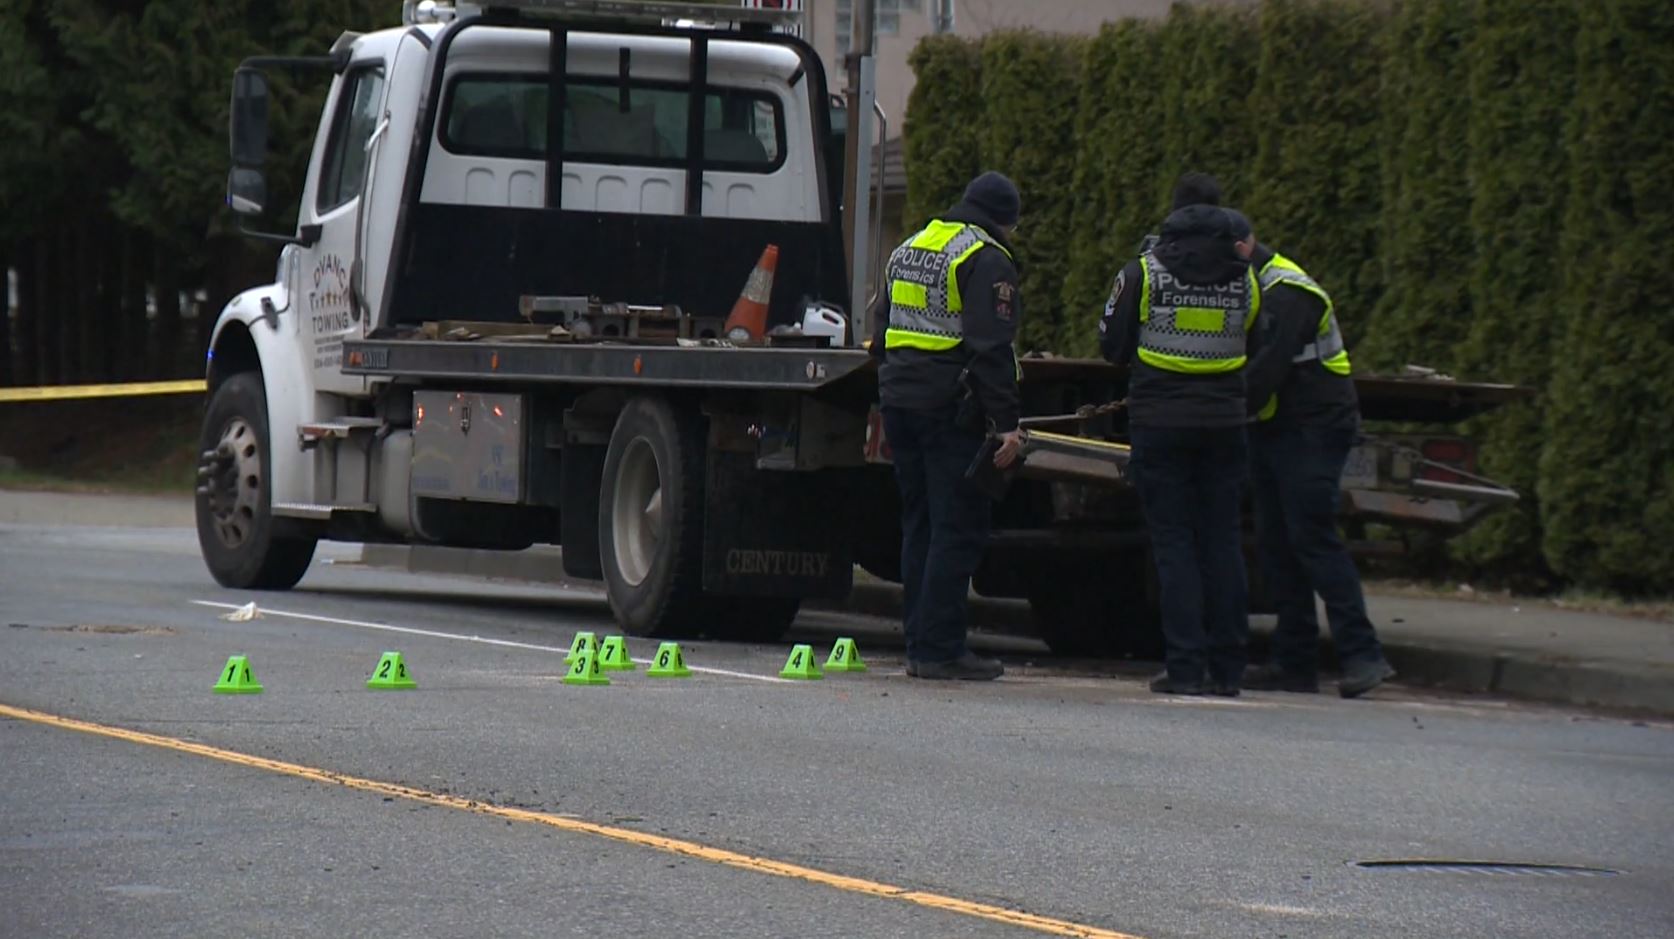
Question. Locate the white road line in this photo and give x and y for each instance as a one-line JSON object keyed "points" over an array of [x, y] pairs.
{"points": [[508, 643]]}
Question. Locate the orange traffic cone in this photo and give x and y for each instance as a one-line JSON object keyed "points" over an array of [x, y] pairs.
{"points": [[748, 319]]}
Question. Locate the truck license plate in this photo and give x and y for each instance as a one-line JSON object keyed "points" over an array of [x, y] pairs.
{"points": [[1361, 469]]}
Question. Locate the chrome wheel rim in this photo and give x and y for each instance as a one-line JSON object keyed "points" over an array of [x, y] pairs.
{"points": [[233, 483], [637, 513]]}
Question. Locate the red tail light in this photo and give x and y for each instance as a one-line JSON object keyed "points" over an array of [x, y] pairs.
{"points": [[1452, 451]]}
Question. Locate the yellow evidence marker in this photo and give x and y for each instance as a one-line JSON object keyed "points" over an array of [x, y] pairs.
{"points": [[237, 678], [582, 642], [586, 670], [613, 655], [669, 663], [391, 674], [845, 657], [801, 665]]}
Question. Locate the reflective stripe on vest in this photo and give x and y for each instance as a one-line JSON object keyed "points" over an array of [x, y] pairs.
{"points": [[1192, 328], [924, 300], [1328, 347]]}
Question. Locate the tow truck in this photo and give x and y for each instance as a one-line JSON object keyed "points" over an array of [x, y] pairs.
{"points": [[500, 322]]}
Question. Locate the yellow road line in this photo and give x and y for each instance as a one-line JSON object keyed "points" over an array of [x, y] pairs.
{"points": [[65, 392], [691, 849]]}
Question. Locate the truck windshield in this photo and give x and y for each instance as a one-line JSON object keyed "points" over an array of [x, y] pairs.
{"points": [[642, 123]]}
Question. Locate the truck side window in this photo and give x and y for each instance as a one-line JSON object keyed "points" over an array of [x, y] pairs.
{"points": [[344, 170], [505, 116]]}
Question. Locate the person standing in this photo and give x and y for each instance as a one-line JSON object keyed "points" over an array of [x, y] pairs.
{"points": [[1308, 418], [947, 378], [1181, 317], [1193, 188]]}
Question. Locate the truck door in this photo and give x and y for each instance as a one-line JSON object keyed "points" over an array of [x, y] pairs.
{"points": [[326, 293]]}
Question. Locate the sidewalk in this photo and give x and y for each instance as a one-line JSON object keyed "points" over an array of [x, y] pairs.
{"points": [[1529, 651], [22, 507]]}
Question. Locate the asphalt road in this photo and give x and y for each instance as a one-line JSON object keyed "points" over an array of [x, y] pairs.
{"points": [[496, 800]]}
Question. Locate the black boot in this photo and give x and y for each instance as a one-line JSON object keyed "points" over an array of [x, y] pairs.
{"points": [[1166, 684], [1361, 677], [968, 667], [1272, 678], [1225, 682]]}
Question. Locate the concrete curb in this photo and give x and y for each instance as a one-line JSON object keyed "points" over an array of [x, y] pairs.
{"points": [[1461, 667], [1628, 686], [60, 509], [1618, 685]]}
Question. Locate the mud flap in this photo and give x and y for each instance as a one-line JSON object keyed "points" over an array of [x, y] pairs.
{"points": [[580, 470], [776, 534]]}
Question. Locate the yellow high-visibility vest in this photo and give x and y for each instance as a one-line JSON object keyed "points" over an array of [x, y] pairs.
{"points": [[1197, 329], [924, 303], [1327, 347]]}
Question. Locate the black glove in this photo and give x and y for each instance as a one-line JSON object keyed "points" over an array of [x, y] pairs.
{"points": [[983, 474]]}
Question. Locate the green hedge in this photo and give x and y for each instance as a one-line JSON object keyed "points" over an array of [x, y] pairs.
{"points": [[1115, 177], [1522, 77], [1212, 55], [1424, 311], [1481, 184], [1607, 474], [943, 121], [1135, 134], [1317, 192], [1030, 85]]}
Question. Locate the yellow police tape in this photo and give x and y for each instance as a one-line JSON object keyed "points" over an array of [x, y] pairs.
{"points": [[126, 389]]}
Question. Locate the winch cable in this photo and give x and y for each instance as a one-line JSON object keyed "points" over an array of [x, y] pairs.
{"points": [[1081, 415]]}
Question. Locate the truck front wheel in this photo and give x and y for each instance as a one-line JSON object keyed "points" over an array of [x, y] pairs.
{"points": [[651, 519], [235, 495]]}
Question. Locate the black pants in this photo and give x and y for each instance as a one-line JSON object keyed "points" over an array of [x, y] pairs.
{"points": [[1298, 474], [1190, 483], [944, 526]]}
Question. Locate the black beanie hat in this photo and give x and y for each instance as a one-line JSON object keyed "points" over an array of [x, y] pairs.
{"points": [[1238, 224], [997, 195]]}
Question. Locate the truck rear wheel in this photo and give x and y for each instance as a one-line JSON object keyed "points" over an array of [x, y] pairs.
{"points": [[651, 519], [1097, 607], [235, 494]]}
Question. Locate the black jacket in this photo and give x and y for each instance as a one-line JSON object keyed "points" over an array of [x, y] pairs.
{"points": [[1310, 395], [1196, 246], [930, 381]]}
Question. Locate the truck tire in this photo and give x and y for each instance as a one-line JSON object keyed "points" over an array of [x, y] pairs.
{"points": [[236, 530], [1097, 607], [651, 519], [751, 619]]}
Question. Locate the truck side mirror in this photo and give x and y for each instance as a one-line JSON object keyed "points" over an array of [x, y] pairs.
{"points": [[249, 118], [246, 190]]}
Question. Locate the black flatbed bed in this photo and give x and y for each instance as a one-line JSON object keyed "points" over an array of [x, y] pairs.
{"points": [[809, 368], [652, 364]]}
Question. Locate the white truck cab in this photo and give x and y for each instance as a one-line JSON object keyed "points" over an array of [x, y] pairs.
{"points": [[640, 154]]}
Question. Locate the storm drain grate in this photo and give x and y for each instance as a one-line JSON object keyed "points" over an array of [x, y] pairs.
{"points": [[1489, 868]]}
